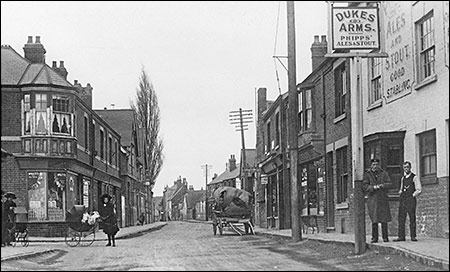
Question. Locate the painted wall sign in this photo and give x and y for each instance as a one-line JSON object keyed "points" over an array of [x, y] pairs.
{"points": [[398, 73], [355, 28]]}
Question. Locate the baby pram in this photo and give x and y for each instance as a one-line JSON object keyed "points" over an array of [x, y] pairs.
{"points": [[81, 230], [17, 227]]}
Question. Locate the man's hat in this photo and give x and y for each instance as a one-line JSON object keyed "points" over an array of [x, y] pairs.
{"points": [[10, 194], [105, 196]]}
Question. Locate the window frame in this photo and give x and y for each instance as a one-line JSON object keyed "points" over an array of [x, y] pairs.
{"points": [[341, 89], [426, 70], [424, 138]]}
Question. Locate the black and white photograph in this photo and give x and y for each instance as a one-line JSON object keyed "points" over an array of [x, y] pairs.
{"points": [[225, 135]]}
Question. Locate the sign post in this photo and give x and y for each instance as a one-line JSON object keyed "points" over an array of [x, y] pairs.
{"points": [[355, 33]]}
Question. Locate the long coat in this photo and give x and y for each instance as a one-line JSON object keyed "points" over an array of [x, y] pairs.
{"points": [[109, 220], [378, 203]]}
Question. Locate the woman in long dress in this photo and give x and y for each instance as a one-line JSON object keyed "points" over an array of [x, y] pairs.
{"points": [[108, 219]]}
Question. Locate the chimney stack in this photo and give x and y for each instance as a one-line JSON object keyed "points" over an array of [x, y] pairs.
{"points": [[318, 50], [61, 70], [231, 163], [34, 52], [85, 93]]}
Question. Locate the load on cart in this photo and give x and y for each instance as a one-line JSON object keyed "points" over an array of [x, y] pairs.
{"points": [[232, 209], [82, 226]]}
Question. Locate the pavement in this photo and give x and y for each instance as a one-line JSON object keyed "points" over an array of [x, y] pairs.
{"points": [[433, 252], [43, 245]]}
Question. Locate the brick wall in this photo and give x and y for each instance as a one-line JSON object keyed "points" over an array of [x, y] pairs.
{"points": [[47, 229], [11, 113]]}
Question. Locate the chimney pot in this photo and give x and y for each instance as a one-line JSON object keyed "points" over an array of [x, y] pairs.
{"points": [[38, 39], [104, 108], [324, 38], [54, 64], [75, 82], [61, 64], [30, 39], [316, 38]]}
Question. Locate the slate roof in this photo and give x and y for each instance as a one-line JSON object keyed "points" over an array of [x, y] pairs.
{"points": [[227, 175], [121, 120], [178, 195], [16, 70]]}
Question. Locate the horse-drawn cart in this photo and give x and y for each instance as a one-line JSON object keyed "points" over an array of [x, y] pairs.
{"points": [[232, 211]]}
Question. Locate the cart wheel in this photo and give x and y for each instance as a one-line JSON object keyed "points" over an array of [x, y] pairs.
{"points": [[72, 238], [87, 238]]}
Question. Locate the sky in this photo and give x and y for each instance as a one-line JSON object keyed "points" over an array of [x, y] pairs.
{"points": [[204, 59]]}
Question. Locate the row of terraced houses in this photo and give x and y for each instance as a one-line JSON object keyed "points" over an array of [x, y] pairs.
{"points": [[60, 151], [405, 118]]}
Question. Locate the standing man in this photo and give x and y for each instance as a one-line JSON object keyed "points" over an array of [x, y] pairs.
{"points": [[376, 183], [410, 188]]}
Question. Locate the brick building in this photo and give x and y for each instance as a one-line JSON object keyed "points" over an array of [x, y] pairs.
{"points": [[408, 91], [406, 117], [64, 153], [136, 198]]}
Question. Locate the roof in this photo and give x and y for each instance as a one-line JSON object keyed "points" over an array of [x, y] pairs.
{"points": [[16, 70], [227, 175], [194, 196], [178, 195], [122, 121]]}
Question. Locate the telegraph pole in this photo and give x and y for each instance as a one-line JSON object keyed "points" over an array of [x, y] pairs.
{"points": [[241, 119], [296, 220], [206, 167]]}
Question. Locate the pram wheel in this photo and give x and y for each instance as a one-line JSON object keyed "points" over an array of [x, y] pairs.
{"points": [[22, 238], [72, 238]]}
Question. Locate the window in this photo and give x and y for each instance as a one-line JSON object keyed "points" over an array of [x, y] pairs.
{"points": [[27, 146], [86, 132], [426, 44], [27, 114], [40, 146], [388, 148], [110, 144], [46, 196], [340, 83], [305, 109], [342, 175], [375, 80], [277, 129], [102, 144], [116, 152], [301, 114], [41, 113], [62, 121], [427, 151], [269, 146], [308, 174], [308, 109]]}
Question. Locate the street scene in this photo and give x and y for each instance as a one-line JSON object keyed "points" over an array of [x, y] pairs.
{"points": [[225, 135], [182, 245]]}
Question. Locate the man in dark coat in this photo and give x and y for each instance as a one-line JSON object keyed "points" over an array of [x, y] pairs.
{"points": [[9, 216], [109, 220], [376, 183]]}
